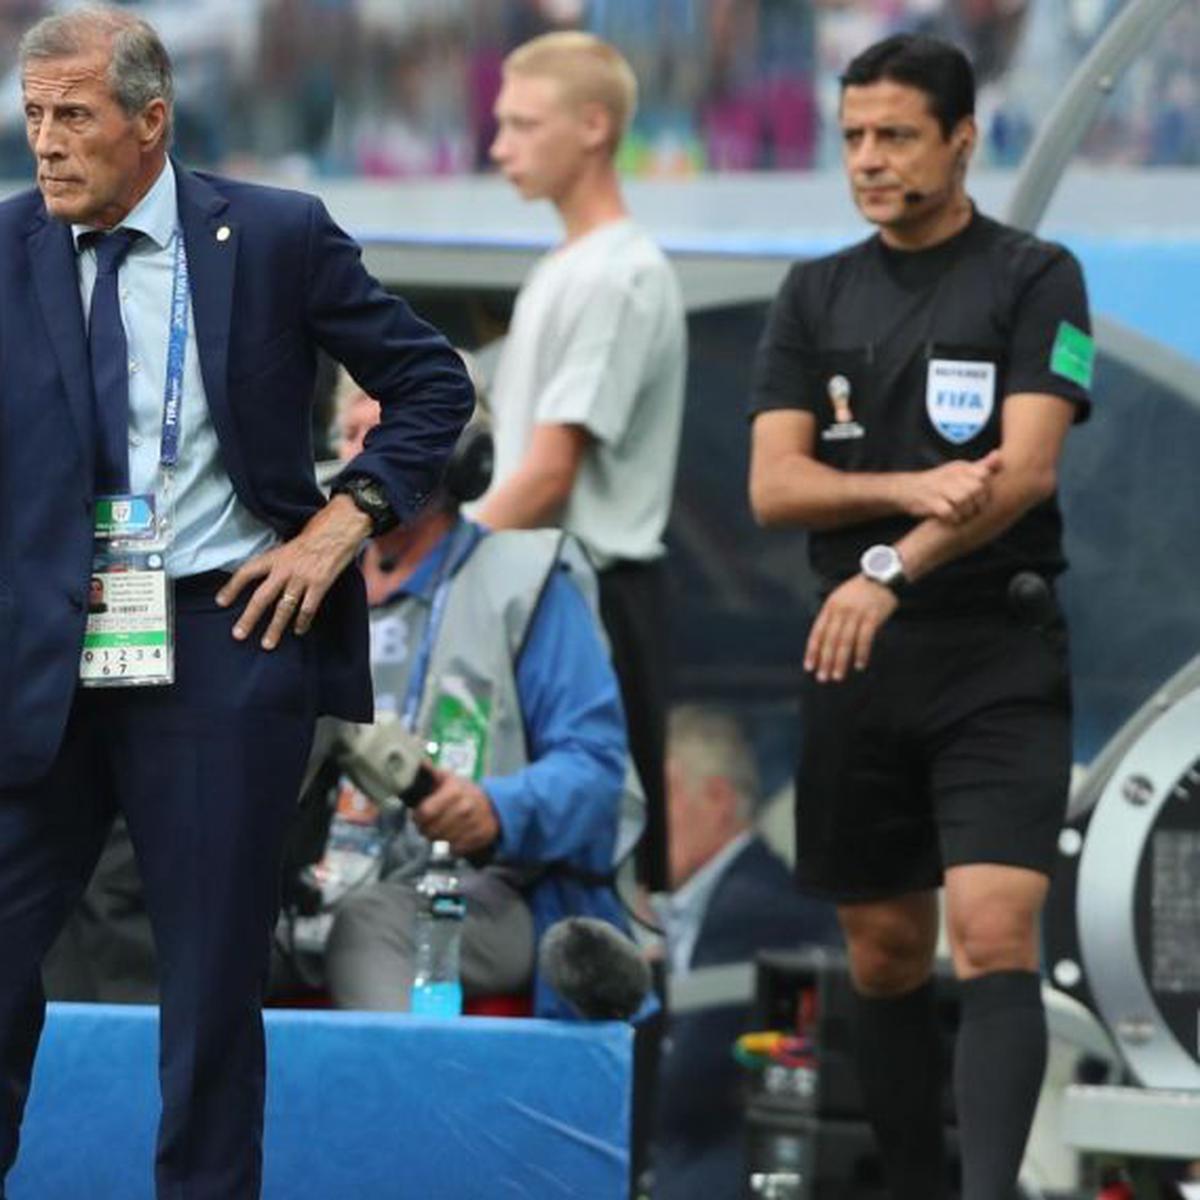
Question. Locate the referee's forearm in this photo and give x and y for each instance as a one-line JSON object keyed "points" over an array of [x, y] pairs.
{"points": [[934, 542], [800, 491]]}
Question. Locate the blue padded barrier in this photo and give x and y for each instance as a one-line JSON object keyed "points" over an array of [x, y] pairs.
{"points": [[360, 1106]]}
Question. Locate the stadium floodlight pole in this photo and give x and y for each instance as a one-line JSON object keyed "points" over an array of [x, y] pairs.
{"points": [[1072, 116]]}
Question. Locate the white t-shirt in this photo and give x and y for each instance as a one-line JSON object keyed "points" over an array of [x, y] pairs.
{"points": [[598, 339]]}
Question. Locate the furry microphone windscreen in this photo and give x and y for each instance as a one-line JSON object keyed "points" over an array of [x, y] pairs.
{"points": [[595, 968]]}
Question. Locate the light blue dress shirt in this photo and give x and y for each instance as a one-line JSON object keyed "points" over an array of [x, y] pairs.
{"points": [[213, 530], [683, 911]]}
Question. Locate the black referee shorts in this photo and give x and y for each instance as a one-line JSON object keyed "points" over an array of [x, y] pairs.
{"points": [[952, 747]]}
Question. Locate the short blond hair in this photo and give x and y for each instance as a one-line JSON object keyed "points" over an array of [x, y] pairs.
{"points": [[588, 70]]}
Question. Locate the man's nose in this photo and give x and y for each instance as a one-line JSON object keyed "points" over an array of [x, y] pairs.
{"points": [[499, 147], [866, 156], [47, 143]]}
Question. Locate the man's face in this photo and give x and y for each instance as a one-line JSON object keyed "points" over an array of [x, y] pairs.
{"points": [[542, 142], [901, 168], [697, 821], [93, 161], [360, 415]]}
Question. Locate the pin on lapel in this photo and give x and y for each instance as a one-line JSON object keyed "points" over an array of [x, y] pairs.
{"points": [[223, 233]]}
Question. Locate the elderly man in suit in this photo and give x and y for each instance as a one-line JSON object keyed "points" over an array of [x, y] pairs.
{"points": [[158, 335]]}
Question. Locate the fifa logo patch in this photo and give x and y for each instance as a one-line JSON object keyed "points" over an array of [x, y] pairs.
{"points": [[959, 397]]}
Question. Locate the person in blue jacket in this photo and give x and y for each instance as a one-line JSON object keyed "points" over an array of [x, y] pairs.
{"points": [[488, 646]]}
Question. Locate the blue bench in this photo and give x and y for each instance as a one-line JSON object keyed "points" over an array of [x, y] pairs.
{"points": [[359, 1107]]}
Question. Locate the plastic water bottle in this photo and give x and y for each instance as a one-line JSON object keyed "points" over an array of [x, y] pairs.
{"points": [[437, 988]]}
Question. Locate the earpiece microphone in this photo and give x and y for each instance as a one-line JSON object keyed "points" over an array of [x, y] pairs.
{"points": [[960, 159]]}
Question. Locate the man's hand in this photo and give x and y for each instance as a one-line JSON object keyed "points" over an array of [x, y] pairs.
{"points": [[845, 628], [296, 575], [458, 812], [954, 492]]}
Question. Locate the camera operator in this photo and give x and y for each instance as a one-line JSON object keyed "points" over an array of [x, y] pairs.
{"points": [[484, 644]]}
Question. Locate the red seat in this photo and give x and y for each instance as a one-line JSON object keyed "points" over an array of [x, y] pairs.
{"points": [[518, 1004]]}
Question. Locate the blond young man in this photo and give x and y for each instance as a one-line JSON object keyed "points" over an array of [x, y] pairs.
{"points": [[588, 393]]}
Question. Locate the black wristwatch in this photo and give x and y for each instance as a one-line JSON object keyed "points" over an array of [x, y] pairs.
{"points": [[370, 498], [883, 564]]}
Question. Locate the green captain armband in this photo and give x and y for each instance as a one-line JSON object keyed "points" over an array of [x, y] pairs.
{"points": [[1073, 355]]}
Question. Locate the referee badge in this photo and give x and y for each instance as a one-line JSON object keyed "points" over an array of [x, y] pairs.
{"points": [[960, 397], [844, 426]]}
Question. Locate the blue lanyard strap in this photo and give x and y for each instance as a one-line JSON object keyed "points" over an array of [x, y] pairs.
{"points": [[176, 352], [437, 610]]}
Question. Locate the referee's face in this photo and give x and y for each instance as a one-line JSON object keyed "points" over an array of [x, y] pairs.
{"points": [[904, 173]]}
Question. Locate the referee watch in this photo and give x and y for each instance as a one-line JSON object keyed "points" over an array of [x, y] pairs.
{"points": [[883, 564], [369, 498]]}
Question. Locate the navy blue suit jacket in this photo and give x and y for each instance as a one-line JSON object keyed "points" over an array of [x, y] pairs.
{"points": [[281, 281]]}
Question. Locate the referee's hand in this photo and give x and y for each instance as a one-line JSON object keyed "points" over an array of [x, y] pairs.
{"points": [[845, 628], [954, 492]]}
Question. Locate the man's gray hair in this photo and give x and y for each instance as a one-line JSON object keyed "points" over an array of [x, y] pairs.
{"points": [[706, 742], [139, 69]]}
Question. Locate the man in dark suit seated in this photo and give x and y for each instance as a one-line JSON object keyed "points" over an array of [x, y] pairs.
{"points": [[733, 897]]}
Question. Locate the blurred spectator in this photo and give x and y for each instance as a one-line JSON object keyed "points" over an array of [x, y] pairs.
{"points": [[588, 392], [733, 896], [760, 107]]}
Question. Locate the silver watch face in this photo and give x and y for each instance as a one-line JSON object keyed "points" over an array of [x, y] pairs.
{"points": [[882, 563]]}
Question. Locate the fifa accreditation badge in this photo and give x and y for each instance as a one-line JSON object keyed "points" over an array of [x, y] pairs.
{"points": [[127, 639], [844, 427], [959, 397]]}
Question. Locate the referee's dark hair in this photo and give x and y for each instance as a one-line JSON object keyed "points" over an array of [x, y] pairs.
{"points": [[934, 66]]}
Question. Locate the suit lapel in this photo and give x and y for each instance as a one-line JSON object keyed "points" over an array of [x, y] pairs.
{"points": [[211, 239], [56, 282]]}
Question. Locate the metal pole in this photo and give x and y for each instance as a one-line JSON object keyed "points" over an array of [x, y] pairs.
{"points": [[1085, 92]]}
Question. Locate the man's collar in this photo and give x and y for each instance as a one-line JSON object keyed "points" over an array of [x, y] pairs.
{"points": [[697, 888], [441, 561], [156, 214]]}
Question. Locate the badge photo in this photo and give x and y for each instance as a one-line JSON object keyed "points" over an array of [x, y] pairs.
{"points": [[960, 397]]}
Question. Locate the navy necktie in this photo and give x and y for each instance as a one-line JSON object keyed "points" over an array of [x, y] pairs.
{"points": [[109, 353]]}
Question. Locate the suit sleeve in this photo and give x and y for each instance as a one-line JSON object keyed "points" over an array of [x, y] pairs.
{"points": [[400, 360], [563, 806]]}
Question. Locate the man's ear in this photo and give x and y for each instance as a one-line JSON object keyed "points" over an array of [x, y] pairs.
{"points": [[964, 137], [152, 124], [597, 124]]}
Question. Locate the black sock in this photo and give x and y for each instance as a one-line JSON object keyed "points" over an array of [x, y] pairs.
{"points": [[998, 1069], [898, 1047]]}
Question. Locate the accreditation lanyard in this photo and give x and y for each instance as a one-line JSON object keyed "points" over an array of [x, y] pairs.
{"points": [[168, 455], [455, 543], [129, 638]]}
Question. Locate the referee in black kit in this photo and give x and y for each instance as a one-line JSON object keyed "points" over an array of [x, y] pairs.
{"points": [[911, 396]]}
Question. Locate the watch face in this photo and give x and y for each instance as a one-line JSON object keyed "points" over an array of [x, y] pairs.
{"points": [[881, 562]]}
